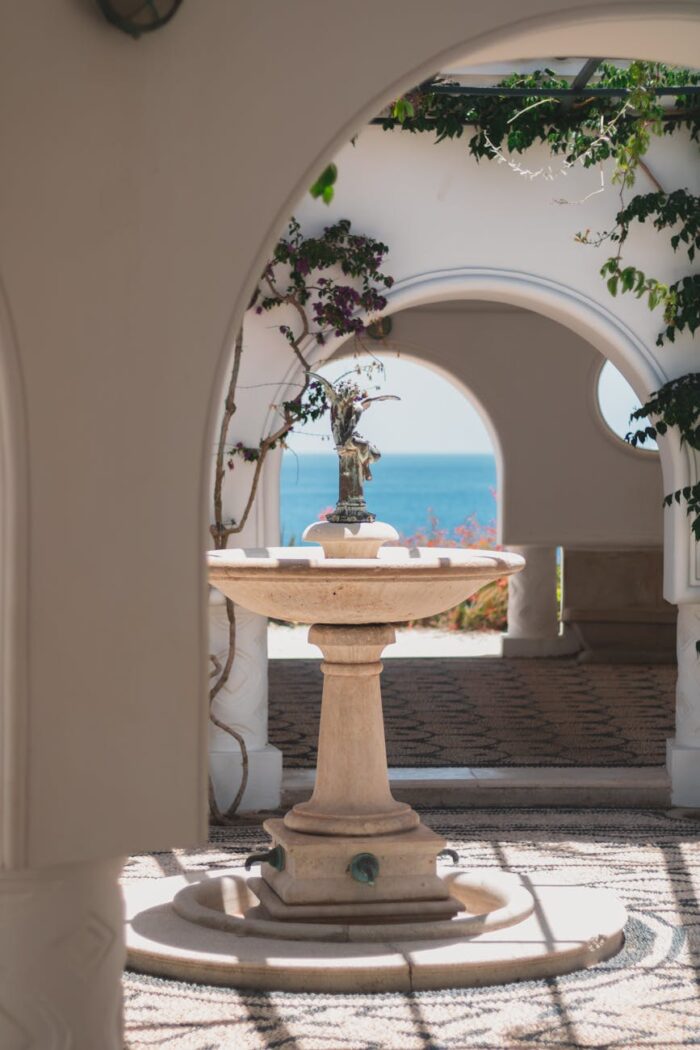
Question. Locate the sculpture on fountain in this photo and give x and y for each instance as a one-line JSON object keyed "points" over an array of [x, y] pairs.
{"points": [[355, 454]]}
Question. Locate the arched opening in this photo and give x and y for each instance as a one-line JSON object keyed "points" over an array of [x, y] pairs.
{"points": [[437, 417], [545, 294], [613, 487], [621, 347], [555, 311], [437, 482]]}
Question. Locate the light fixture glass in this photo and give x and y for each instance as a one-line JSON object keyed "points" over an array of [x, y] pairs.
{"points": [[138, 16]]}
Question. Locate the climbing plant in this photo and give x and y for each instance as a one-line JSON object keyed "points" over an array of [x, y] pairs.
{"points": [[589, 130], [333, 284], [679, 211], [676, 404]]}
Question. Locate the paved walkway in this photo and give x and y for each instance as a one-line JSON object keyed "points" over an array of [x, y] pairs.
{"points": [[487, 711], [289, 643]]}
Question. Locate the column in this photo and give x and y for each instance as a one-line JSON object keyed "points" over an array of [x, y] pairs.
{"points": [[533, 614], [61, 957], [242, 704], [351, 794], [683, 751]]}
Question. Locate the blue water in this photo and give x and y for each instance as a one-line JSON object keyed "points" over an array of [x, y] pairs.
{"points": [[405, 490]]}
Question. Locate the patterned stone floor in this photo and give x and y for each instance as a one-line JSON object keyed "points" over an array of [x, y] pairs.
{"points": [[485, 711], [646, 997]]}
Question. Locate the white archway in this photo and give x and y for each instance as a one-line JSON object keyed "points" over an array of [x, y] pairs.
{"points": [[454, 381], [653, 31], [566, 305], [633, 30], [561, 303]]}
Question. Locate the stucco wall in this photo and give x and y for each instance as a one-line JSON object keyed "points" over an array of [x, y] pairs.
{"points": [[142, 185], [565, 478], [466, 230]]}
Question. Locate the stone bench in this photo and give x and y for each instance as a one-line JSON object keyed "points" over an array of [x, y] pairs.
{"points": [[613, 601]]}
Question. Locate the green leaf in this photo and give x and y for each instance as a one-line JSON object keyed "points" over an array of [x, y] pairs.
{"points": [[627, 278], [323, 186], [402, 110]]}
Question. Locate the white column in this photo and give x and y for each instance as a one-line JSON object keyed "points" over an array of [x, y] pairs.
{"points": [[61, 957], [242, 704], [533, 614], [683, 751]]}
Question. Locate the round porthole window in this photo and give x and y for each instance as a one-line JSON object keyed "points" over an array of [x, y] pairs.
{"points": [[616, 402]]}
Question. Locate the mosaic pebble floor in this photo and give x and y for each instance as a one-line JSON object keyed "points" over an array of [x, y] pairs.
{"points": [[486, 711], [646, 997]]}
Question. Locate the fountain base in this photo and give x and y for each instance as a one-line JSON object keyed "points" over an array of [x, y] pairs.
{"points": [[365, 912], [216, 930], [317, 872]]}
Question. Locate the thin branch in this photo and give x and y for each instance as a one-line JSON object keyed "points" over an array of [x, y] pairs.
{"points": [[220, 470], [650, 175], [520, 112], [291, 412], [292, 300], [226, 671], [265, 446], [217, 815], [221, 536]]}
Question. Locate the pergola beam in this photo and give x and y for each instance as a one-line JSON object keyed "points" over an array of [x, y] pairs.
{"points": [[545, 92], [581, 79], [578, 89]]}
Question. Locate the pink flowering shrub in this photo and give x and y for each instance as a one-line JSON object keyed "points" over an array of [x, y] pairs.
{"points": [[487, 610]]}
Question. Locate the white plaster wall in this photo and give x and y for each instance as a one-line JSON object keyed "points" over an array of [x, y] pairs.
{"points": [[565, 478], [440, 211], [481, 231], [142, 185]]}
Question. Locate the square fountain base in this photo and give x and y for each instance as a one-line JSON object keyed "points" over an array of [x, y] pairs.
{"points": [[360, 912], [316, 882]]}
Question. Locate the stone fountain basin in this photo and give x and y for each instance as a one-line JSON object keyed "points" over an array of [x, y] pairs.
{"points": [[302, 585]]}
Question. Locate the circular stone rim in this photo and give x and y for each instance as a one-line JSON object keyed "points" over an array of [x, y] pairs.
{"points": [[440, 562], [517, 903], [171, 947]]}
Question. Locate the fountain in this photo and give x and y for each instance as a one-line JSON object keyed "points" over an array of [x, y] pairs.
{"points": [[353, 892]]}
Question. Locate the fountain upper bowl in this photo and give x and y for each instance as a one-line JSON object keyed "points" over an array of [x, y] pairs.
{"points": [[302, 585]]}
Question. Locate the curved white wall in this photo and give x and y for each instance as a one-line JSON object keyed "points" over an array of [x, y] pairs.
{"points": [[461, 229], [143, 184], [565, 479]]}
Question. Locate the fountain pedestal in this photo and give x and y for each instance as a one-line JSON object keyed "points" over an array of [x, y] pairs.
{"points": [[352, 813], [351, 795]]}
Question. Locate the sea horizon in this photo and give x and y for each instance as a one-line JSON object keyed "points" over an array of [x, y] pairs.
{"points": [[421, 452], [407, 490]]}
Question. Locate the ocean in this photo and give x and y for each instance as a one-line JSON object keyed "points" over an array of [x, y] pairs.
{"points": [[407, 488]]}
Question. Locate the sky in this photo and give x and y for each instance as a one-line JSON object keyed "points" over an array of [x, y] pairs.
{"points": [[448, 420]]}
